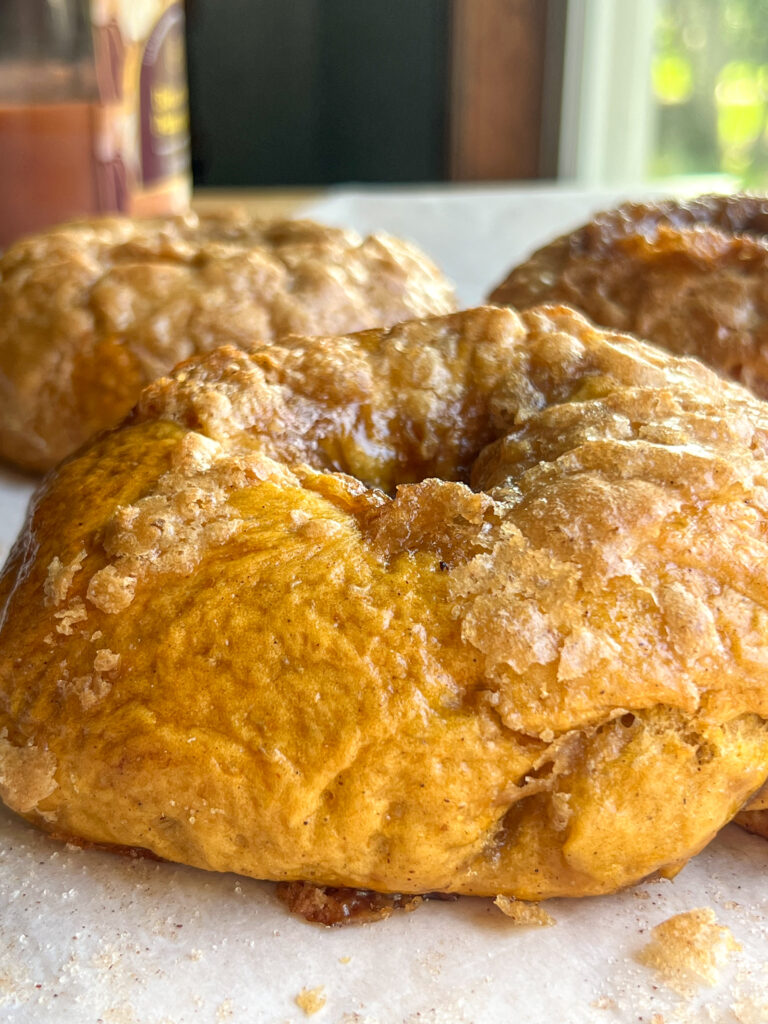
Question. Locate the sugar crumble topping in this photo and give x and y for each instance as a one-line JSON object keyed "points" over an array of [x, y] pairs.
{"points": [[91, 687], [106, 660], [60, 577], [170, 530], [70, 616], [26, 774]]}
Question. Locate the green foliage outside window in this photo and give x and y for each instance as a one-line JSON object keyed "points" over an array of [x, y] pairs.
{"points": [[710, 84]]}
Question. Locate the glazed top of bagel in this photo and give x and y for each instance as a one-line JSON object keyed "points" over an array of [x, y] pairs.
{"points": [[93, 310], [740, 214], [688, 274], [476, 603]]}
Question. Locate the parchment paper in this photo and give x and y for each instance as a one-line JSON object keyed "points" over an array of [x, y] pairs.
{"points": [[91, 937]]}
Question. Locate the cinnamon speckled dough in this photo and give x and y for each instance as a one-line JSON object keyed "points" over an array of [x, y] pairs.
{"points": [[476, 604], [690, 275], [92, 311]]}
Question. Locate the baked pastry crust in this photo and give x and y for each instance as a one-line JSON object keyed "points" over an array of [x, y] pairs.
{"points": [[266, 626], [92, 311], [689, 275]]}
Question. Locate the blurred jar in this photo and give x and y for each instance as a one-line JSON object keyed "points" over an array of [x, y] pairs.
{"points": [[93, 111]]}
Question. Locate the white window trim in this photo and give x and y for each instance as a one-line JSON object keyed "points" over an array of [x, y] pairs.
{"points": [[607, 109]]}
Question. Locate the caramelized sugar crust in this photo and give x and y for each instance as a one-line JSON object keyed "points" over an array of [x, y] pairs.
{"points": [[475, 604], [93, 310], [689, 275]]}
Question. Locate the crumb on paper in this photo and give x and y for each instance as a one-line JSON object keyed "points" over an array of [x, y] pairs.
{"points": [[15, 982], [747, 1011], [105, 958], [311, 1000], [344, 959], [122, 1013], [433, 962], [605, 1003], [688, 949], [524, 914], [225, 1010]]}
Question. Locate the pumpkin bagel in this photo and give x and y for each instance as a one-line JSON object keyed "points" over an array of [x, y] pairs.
{"points": [[92, 311], [690, 275], [474, 604]]}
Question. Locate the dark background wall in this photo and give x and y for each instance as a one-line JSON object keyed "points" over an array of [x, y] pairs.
{"points": [[318, 91]]}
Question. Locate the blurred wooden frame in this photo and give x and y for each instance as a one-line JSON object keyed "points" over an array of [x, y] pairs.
{"points": [[506, 59]]}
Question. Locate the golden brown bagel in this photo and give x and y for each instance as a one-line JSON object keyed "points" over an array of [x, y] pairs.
{"points": [[222, 642], [92, 311], [689, 275], [754, 817]]}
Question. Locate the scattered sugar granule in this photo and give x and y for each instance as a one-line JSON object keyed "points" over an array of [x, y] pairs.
{"points": [[687, 949], [106, 660], [60, 576], [69, 617], [311, 1000], [605, 1003], [524, 914]]}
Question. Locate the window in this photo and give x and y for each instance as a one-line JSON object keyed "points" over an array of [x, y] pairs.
{"points": [[666, 88], [709, 78]]}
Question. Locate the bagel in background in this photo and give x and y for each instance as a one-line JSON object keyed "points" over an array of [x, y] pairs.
{"points": [[92, 311], [475, 604], [754, 817], [690, 275]]}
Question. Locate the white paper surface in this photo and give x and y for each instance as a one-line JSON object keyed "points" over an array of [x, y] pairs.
{"points": [[88, 937]]}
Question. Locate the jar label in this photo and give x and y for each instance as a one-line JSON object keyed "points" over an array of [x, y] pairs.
{"points": [[141, 144], [163, 100]]}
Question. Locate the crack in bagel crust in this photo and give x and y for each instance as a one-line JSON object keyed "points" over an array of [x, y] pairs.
{"points": [[474, 604], [91, 311]]}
